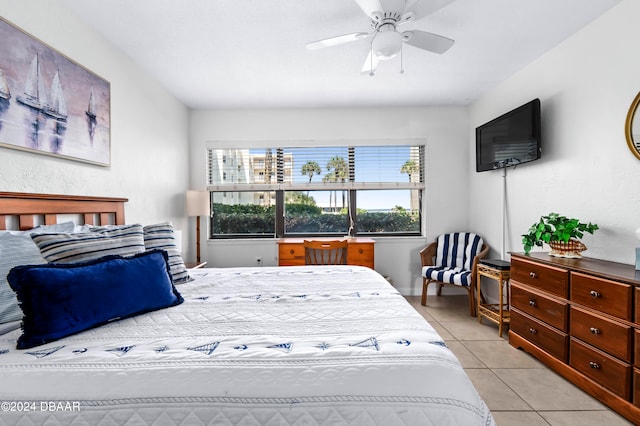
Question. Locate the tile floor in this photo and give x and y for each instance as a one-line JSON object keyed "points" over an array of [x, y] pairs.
{"points": [[518, 389]]}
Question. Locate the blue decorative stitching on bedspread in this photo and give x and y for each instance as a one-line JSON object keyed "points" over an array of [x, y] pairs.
{"points": [[209, 348]]}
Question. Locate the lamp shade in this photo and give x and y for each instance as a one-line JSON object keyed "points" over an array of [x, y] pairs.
{"points": [[198, 203]]}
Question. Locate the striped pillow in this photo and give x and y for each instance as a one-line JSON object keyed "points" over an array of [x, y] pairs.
{"points": [[161, 236], [458, 249], [80, 247], [17, 248]]}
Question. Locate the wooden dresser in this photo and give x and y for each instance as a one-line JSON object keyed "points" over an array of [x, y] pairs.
{"points": [[581, 317], [359, 251]]}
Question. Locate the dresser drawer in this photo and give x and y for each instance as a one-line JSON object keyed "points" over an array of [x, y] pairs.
{"points": [[611, 297], [360, 254], [636, 345], [637, 294], [290, 254], [636, 387], [548, 278], [547, 338], [547, 309], [601, 367], [610, 336]]}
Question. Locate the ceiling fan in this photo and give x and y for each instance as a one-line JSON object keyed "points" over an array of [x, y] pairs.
{"points": [[386, 16]]}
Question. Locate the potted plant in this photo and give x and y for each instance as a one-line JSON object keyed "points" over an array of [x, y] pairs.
{"points": [[560, 233]]}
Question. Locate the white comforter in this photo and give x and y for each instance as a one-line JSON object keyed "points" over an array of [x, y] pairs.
{"points": [[291, 345]]}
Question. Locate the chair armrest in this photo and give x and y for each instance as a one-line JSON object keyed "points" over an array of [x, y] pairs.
{"points": [[483, 253], [428, 254]]}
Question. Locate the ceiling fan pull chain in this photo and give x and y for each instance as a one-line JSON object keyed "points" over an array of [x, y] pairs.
{"points": [[401, 62]]}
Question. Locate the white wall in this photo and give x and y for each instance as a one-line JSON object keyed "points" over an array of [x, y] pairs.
{"points": [[149, 127], [445, 131], [586, 86]]}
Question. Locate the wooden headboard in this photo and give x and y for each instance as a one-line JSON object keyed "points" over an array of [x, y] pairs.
{"points": [[34, 209]]}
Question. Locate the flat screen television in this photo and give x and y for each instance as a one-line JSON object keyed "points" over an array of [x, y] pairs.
{"points": [[509, 140]]}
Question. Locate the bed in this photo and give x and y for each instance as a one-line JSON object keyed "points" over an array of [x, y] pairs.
{"points": [[306, 345]]}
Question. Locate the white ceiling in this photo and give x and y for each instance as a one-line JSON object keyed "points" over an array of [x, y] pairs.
{"points": [[251, 53]]}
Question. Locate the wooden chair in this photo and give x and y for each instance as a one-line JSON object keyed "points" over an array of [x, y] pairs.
{"points": [[453, 260], [325, 252]]}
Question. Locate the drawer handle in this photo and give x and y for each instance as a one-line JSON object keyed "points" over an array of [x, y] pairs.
{"points": [[533, 331], [533, 275], [594, 330], [532, 303], [594, 294], [594, 365], [291, 251], [360, 251]]}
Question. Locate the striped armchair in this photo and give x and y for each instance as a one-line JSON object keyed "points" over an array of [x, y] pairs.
{"points": [[452, 259]]}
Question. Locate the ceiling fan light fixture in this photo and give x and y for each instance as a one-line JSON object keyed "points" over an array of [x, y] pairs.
{"points": [[386, 44]]}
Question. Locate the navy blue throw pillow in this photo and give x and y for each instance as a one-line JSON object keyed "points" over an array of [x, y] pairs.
{"points": [[58, 300]]}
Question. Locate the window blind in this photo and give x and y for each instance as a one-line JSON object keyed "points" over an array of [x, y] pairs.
{"points": [[318, 167]]}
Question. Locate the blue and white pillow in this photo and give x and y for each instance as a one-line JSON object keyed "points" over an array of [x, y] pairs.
{"points": [[458, 249], [60, 299], [161, 236], [17, 248], [124, 240]]}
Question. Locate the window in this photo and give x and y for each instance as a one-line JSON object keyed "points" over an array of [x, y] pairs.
{"points": [[315, 213], [316, 191], [243, 213]]}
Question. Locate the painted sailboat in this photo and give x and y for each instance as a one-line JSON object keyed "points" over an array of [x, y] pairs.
{"points": [[34, 93], [91, 108], [4, 87], [57, 108], [91, 115]]}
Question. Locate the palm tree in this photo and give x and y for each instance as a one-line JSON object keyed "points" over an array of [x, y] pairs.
{"points": [[409, 167], [330, 177], [310, 168], [338, 166]]}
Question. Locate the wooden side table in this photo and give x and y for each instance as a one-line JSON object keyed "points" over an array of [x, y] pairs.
{"points": [[495, 312]]}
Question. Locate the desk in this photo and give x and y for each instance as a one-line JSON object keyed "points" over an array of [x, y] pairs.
{"points": [[359, 251], [496, 312]]}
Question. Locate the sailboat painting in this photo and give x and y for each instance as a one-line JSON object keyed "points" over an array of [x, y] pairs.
{"points": [[4, 87], [50, 104]]}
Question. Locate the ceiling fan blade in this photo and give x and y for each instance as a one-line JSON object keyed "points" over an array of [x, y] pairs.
{"points": [[335, 41], [370, 64], [369, 7], [422, 8], [423, 40]]}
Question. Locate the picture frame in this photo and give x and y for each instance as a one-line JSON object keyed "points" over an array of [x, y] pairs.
{"points": [[50, 104]]}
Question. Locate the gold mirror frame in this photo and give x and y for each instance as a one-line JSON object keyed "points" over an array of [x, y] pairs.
{"points": [[634, 146]]}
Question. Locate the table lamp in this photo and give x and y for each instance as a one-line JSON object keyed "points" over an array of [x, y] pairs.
{"points": [[198, 204]]}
